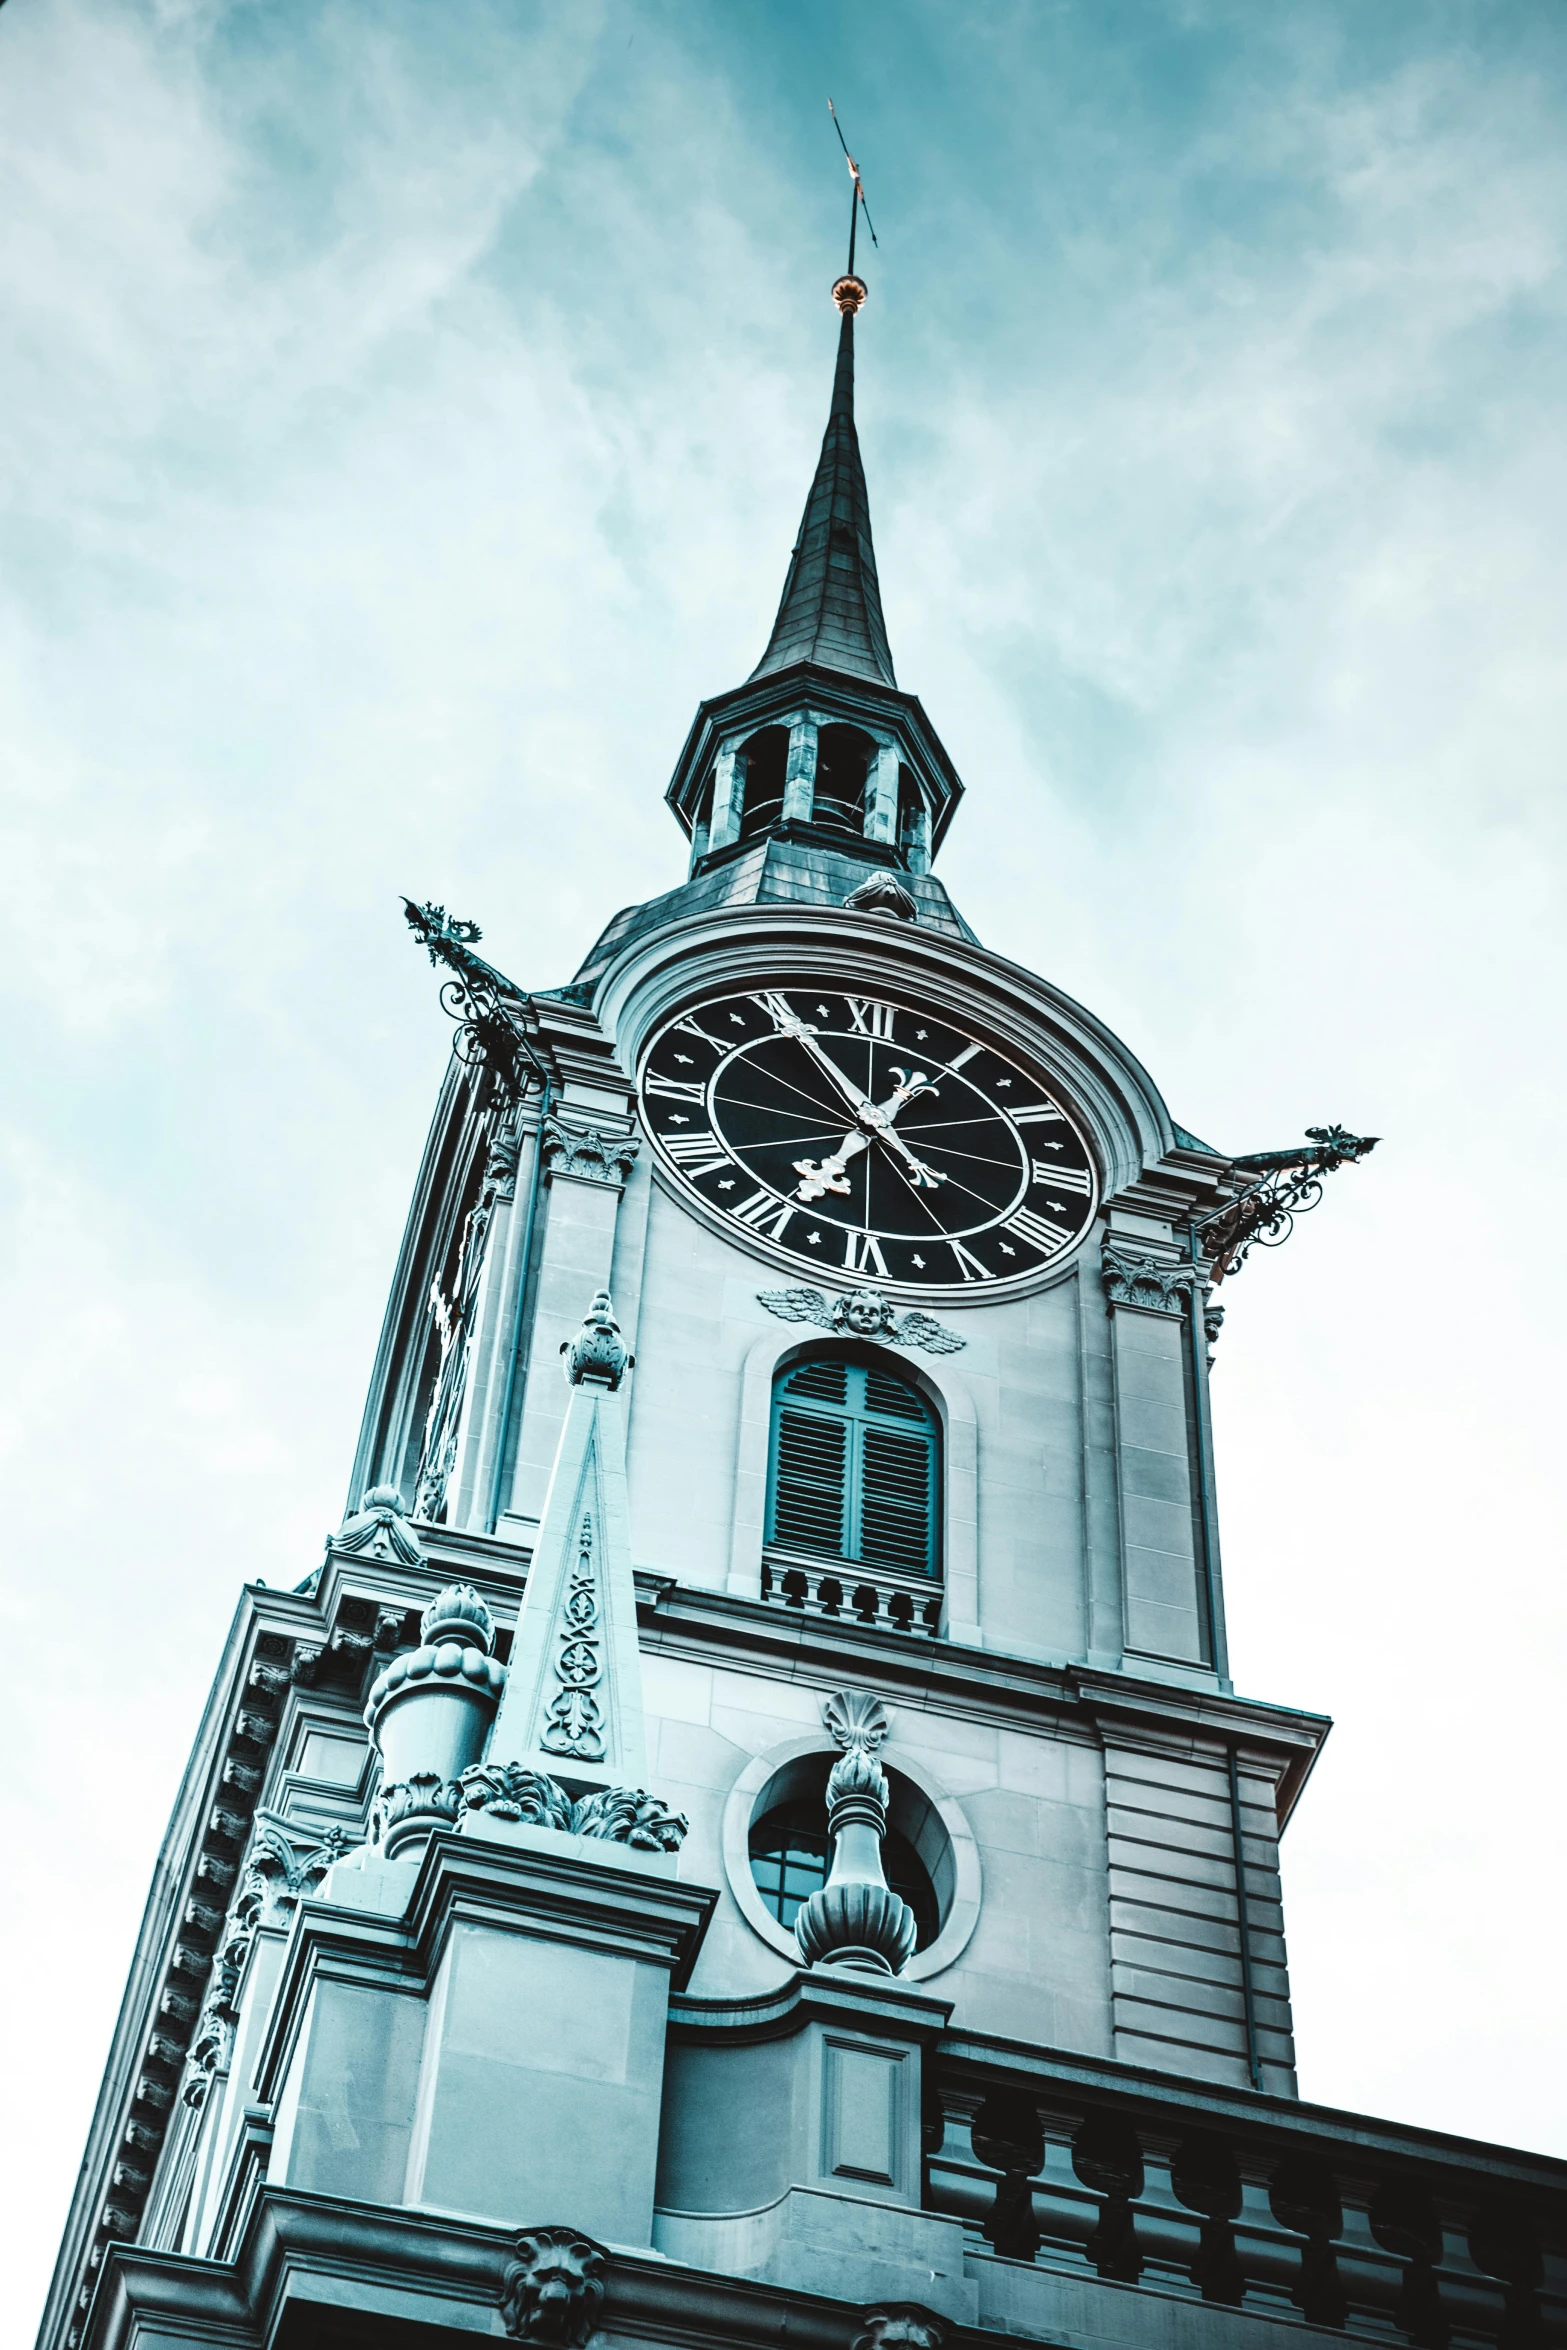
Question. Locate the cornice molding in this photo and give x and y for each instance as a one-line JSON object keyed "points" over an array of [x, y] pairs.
{"points": [[302, 2250]]}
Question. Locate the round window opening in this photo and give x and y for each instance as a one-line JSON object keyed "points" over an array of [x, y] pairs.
{"points": [[791, 1851]]}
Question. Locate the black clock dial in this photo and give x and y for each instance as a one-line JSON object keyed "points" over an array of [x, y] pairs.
{"points": [[865, 1138]]}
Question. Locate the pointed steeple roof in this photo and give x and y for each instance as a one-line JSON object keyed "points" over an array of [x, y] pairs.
{"points": [[831, 607]]}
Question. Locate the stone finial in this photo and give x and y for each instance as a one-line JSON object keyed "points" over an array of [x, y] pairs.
{"points": [[458, 1613], [597, 1355], [553, 2289], [855, 1919], [855, 1718], [379, 1529]]}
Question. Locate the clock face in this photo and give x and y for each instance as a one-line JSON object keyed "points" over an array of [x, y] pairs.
{"points": [[861, 1137]]}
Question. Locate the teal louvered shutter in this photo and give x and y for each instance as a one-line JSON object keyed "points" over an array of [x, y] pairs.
{"points": [[854, 1467]]}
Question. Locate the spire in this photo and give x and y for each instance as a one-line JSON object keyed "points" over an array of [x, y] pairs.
{"points": [[831, 607]]}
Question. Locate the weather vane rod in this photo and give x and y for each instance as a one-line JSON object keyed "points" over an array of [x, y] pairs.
{"points": [[857, 203]]}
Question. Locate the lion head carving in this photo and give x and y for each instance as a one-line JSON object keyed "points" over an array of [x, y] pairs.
{"points": [[552, 2290]]}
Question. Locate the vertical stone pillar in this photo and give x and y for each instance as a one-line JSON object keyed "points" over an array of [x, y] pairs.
{"points": [[881, 795], [916, 840], [584, 1176], [494, 1337], [799, 798], [1165, 1592], [728, 796]]}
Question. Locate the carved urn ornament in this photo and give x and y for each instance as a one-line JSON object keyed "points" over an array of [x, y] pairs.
{"points": [[855, 1919], [597, 1355], [429, 1713], [379, 1529]]}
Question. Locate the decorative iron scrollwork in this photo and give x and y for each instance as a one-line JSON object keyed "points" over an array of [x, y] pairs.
{"points": [[490, 1037], [1288, 1184]]}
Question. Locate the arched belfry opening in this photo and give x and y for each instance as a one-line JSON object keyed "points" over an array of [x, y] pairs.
{"points": [[843, 759], [764, 761]]}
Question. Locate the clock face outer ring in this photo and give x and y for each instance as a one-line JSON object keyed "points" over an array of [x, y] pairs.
{"points": [[721, 1067]]}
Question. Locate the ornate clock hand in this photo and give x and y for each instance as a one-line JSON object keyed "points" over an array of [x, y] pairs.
{"points": [[819, 1176], [875, 1119], [789, 1024], [910, 1082]]}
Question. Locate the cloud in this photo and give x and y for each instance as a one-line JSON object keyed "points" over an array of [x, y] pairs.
{"points": [[408, 416]]}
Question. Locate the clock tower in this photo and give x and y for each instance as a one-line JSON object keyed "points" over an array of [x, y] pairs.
{"points": [[750, 1830]]}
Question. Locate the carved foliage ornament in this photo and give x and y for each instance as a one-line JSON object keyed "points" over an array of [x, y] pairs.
{"points": [[620, 1815], [590, 1156], [597, 1354], [855, 1718], [574, 1725], [861, 1313], [1144, 1283], [554, 2288], [283, 1866]]}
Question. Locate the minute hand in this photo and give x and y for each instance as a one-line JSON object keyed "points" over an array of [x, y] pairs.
{"points": [[790, 1026]]}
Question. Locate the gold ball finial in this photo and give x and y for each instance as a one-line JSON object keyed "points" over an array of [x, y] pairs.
{"points": [[849, 294]]}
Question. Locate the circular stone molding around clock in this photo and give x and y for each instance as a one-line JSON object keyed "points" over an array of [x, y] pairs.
{"points": [[921, 1810]]}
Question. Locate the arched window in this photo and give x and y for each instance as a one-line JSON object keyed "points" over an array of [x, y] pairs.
{"points": [[855, 1469]]}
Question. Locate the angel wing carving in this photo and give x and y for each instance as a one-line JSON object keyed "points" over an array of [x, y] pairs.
{"points": [[919, 1330], [797, 1305]]}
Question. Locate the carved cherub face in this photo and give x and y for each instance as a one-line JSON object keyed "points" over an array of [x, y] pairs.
{"points": [[863, 1312]]}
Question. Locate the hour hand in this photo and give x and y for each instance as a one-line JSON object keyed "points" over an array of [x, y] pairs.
{"points": [[820, 1176]]}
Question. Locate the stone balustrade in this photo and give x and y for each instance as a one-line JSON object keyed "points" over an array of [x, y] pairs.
{"points": [[852, 1594], [1289, 2212]]}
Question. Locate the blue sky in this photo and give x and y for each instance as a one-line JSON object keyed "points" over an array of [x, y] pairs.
{"points": [[408, 414]]}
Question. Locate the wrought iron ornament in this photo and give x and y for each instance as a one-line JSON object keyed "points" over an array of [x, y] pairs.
{"points": [[1289, 1185], [490, 1037]]}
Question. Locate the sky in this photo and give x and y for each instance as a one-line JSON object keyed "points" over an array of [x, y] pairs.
{"points": [[408, 412]]}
